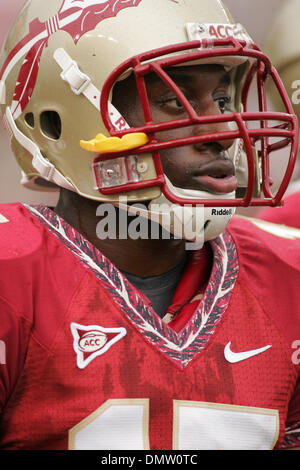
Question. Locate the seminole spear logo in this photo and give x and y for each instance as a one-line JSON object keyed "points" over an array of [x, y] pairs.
{"points": [[75, 17]]}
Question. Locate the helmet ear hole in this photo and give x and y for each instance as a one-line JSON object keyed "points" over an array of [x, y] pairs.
{"points": [[50, 124], [29, 119]]}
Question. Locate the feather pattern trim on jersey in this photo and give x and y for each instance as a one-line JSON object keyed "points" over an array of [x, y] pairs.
{"points": [[292, 436], [182, 347]]}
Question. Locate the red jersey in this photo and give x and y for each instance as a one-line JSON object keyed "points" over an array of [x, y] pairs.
{"points": [[288, 214], [87, 364]]}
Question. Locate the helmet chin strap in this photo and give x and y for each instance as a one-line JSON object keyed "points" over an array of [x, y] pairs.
{"points": [[191, 223]]}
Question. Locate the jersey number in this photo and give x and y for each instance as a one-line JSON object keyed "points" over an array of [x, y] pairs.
{"points": [[124, 425]]}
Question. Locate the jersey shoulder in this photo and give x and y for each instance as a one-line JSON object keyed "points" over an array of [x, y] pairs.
{"points": [[269, 267], [288, 214], [20, 234], [263, 239], [35, 267]]}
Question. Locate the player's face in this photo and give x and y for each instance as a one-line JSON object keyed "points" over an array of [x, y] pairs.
{"points": [[203, 166]]}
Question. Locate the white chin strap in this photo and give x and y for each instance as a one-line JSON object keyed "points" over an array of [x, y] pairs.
{"points": [[193, 224]]}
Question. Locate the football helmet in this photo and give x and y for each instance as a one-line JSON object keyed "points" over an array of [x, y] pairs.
{"points": [[60, 63]]}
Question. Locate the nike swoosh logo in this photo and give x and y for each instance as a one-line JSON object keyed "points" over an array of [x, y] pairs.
{"points": [[234, 357]]}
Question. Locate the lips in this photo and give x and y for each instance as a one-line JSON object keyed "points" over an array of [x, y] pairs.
{"points": [[222, 185], [216, 177]]}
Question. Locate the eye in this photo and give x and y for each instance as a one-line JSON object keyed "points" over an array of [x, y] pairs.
{"points": [[172, 103], [223, 103]]}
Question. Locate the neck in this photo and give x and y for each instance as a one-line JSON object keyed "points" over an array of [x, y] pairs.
{"points": [[141, 257]]}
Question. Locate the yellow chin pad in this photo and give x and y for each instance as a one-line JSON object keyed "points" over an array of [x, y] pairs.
{"points": [[103, 144]]}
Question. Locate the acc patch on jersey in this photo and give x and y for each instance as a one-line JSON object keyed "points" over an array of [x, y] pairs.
{"points": [[93, 341]]}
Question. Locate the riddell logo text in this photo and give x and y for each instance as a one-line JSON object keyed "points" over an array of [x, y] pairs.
{"points": [[2, 352], [221, 212]]}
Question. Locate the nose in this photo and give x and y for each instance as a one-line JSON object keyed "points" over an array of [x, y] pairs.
{"points": [[215, 130]]}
